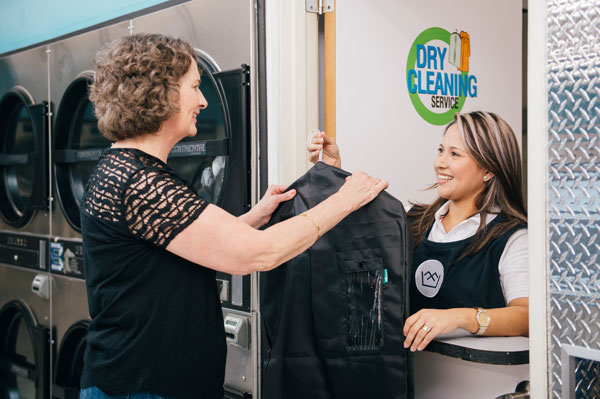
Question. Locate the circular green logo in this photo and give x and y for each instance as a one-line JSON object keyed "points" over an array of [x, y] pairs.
{"points": [[432, 117]]}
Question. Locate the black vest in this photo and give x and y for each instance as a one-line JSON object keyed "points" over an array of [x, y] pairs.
{"points": [[332, 317], [440, 280]]}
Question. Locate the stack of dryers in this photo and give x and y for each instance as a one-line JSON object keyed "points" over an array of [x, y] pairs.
{"points": [[25, 285], [76, 145], [49, 143], [216, 162]]}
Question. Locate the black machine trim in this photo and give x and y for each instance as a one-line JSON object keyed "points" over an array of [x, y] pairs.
{"points": [[64, 156], [13, 159], [235, 194], [13, 364], [38, 200], [69, 362], [209, 148]]}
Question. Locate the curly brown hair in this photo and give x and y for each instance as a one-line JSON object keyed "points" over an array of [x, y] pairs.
{"points": [[136, 86]]}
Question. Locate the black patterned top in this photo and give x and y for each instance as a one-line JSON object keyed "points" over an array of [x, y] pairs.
{"points": [[131, 187], [157, 324]]}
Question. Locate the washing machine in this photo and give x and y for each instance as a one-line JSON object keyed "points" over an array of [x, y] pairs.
{"points": [[216, 162], [25, 284]]}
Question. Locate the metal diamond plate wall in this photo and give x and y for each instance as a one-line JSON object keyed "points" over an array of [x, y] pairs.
{"points": [[573, 40], [587, 379]]}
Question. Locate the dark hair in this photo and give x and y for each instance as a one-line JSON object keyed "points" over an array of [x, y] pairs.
{"points": [[136, 85], [490, 141]]}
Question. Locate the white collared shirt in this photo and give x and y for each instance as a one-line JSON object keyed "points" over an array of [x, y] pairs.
{"points": [[514, 262]]}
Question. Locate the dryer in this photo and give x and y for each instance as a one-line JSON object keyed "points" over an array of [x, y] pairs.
{"points": [[25, 285], [216, 161], [75, 145]]}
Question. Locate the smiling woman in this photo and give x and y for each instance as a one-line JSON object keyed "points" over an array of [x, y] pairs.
{"points": [[459, 177], [476, 231], [470, 261], [191, 101], [157, 324]]}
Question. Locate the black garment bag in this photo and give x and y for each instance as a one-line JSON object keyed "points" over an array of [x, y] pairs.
{"points": [[332, 317]]}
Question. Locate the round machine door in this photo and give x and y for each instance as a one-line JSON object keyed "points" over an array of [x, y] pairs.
{"points": [[69, 362], [23, 182], [77, 147], [24, 354], [216, 160]]}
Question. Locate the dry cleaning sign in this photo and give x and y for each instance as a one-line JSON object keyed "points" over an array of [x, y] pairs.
{"points": [[437, 74]]}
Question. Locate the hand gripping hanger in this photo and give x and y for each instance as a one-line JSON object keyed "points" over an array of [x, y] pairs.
{"points": [[309, 140]]}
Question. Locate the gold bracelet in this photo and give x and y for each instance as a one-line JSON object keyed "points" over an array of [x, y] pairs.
{"points": [[314, 222]]}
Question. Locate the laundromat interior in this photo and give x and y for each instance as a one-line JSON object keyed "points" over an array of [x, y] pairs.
{"points": [[382, 78]]}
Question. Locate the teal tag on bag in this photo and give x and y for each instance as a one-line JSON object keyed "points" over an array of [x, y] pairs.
{"points": [[385, 276]]}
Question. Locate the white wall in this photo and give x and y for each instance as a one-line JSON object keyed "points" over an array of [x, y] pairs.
{"points": [[292, 87], [378, 129], [537, 135]]}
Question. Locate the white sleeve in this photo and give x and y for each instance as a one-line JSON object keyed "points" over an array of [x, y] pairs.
{"points": [[514, 266]]}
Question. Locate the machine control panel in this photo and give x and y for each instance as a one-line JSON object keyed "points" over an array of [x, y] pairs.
{"points": [[234, 291], [66, 257], [223, 287], [43, 286], [23, 250], [237, 330]]}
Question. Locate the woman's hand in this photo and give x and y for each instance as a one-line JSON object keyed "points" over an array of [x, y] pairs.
{"points": [[331, 152], [360, 189], [260, 214], [508, 321], [426, 324]]}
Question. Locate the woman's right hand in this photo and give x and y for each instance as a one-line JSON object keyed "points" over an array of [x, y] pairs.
{"points": [[331, 152], [360, 189]]}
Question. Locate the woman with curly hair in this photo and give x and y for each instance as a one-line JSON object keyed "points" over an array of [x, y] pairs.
{"points": [[470, 260], [157, 325]]}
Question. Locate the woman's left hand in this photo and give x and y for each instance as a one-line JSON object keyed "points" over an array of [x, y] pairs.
{"points": [[260, 214], [426, 324]]}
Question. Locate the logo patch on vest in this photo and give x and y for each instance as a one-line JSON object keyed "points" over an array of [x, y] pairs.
{"points": [[429, 277]]}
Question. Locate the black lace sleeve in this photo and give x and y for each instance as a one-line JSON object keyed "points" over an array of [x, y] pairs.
{"points": [[158, 205]]}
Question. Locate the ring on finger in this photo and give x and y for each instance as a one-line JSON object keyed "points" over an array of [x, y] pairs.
{"points": [[426, 328]]}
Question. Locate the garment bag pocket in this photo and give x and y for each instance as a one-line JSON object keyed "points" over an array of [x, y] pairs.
{"points": [[364, 276]]}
